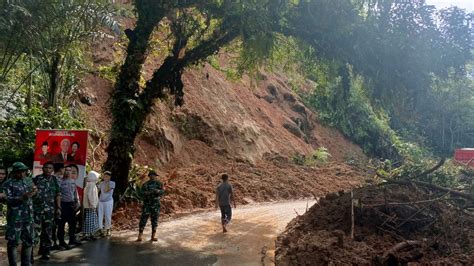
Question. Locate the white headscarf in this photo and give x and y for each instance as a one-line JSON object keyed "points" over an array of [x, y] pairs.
{"points": [[91, 194]]}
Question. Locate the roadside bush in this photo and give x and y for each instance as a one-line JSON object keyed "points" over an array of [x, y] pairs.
{"points": [[354, 116], [317, 157]]}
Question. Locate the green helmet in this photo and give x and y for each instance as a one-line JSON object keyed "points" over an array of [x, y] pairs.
{"points": [[19, 166]]}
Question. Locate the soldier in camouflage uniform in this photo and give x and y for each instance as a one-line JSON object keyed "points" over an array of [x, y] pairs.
{"points": [[152, 190], [47, 206], [19, 191]]}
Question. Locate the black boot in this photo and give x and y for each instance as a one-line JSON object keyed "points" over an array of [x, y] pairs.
{"points": [[25, 256], [32, 255], [11, 251], [45, 253]]}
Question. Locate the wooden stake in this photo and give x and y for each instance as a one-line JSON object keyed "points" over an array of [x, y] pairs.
{"points": [[352, 214]]}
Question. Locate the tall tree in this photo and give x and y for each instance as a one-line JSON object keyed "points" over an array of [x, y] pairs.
{"points": [[198, 29]]}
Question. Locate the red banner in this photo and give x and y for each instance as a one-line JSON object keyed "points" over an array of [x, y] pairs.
{"points": [[61, 146]]}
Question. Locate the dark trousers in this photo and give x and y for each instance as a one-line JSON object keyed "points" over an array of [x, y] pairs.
{"points": [[226, 214], [55, 231], [68, 215]]}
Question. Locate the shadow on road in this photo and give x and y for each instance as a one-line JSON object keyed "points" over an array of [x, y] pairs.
{"points": [[117, 252], [193, 240]]}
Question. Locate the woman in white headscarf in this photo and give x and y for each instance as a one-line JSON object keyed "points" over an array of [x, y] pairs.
{"points": [[90, 202]]}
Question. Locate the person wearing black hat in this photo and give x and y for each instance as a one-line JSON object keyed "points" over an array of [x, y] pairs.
{"points": [[152, 190], [19, 192]]}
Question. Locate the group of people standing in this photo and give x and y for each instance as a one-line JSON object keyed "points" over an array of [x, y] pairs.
{"points": [[38, 208]]}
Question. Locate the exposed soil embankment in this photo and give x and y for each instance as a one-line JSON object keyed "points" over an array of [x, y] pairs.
{"points": [[248, 129]]}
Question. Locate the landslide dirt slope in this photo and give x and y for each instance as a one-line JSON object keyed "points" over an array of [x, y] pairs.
{"points": [[393, 225], [248, 129]]}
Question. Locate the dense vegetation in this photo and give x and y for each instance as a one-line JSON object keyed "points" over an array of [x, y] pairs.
{"points": [[42, 59], [394, 76]]}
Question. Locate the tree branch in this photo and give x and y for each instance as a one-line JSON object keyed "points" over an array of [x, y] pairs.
{"points": [[436, 187], [168, 76]]}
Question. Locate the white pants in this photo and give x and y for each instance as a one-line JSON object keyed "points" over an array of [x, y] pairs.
{"points": [[105, 209]]}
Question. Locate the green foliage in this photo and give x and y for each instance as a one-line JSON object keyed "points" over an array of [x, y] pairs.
{"points": [[415, 160], [298, 158], [49, 36], [136, 179], [353, 115], [446, 114], [447, 176], [109, 72], [319, 156], [18, 131], [231, 72]]}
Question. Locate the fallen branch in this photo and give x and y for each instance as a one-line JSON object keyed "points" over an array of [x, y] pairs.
{"points": [[425, 173], [432, 186], [429, 171], [392, 251], [393, 234], [352, 214], [420, 210], [406, 203], [402, 245]]}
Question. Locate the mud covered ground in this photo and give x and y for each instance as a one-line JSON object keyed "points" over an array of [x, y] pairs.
{"points": [[276, 179], [393, 224]]}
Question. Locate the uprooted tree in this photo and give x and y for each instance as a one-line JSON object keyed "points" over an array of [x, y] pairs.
{"points": [[347, 32]]}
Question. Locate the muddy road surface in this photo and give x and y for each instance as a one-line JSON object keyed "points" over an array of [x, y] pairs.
{"points": [[195, 240]]}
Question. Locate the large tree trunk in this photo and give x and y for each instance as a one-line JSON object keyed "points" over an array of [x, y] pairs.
{"points": [[128, 113]]}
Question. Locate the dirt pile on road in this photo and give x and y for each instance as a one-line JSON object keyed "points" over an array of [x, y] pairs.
{"points": [[270, 179], [393, 224]]}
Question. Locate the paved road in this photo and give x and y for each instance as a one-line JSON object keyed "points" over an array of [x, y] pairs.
{"points": [[195, 240]]}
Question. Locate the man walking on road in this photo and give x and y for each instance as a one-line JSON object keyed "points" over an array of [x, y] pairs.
{"points": [[224, 196], [152, 190]]}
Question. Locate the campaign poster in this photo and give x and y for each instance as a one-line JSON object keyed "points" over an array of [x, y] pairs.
{"points": [[61, 147]]}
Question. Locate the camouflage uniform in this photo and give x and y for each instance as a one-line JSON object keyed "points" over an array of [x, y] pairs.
{"points": [[19, 213], [45, 205], [152, 191]]}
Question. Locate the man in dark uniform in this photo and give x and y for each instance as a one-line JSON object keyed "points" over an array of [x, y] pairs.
{"points": [[47, 206], [19, 191], [152, 190]]}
